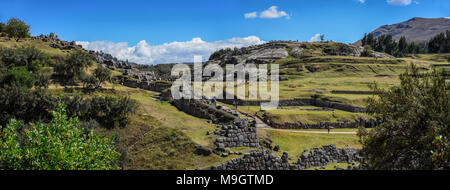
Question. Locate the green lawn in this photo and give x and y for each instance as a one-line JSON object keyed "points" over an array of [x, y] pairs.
{"points": [[296, 143]]}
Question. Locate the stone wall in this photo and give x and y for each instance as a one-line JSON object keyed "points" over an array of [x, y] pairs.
{"points": [[201, 109], [238, 134], [265, 160], [157, 86], [301, 102], [256, 160], [324, 125], [326, 155]]}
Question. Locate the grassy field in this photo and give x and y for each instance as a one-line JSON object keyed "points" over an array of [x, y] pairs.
{"points": [[43, 46], [297, 114], [296, 143]]}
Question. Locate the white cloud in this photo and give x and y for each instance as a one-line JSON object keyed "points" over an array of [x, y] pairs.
{"points": [[251, 15], [399, 2], [174, 52], [315, 38], [270, 13], [447, 17], [361, 1]]}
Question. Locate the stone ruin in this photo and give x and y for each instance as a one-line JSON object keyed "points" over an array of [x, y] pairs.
{"points": [[238, 134], [266, 160]]}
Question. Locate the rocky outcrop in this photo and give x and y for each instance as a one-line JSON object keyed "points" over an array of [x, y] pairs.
{"points": [[109, 60], [56, 42]]}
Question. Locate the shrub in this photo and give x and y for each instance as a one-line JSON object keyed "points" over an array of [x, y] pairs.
{"points": [[18, 76], [30, 57], [15, 102], [109, 111], [59, 145], [414, 114]]}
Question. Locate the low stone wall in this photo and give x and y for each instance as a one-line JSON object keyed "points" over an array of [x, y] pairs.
{"points": [[201, 109], [324, 125], [238, 134], [256, 160], [326, 155], [301, 102], [157, 86], [265, 160]]}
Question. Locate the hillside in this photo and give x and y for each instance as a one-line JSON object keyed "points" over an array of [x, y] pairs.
{"points": [[416, 29]]}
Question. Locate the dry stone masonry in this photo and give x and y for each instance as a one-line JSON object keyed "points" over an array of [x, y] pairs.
{"points": [[316, 157], [361, 122], [239, 134]]}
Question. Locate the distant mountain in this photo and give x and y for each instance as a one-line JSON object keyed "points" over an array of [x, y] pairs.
{"points": [[416, 29]]}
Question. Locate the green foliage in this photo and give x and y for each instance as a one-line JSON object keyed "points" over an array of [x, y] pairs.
{"points": [[42, 81], [414, 113], [440, 43], [72, 67], [441, 155], [16, 28], [59, 145], [28, 106], [367, 51], [18, 76], [102, 75], [2, 27], [28, 56], [109, 111], [219, 53], [88, 81]]}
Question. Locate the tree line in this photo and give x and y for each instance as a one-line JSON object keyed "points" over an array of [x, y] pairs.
{"points": [[385, 43]]}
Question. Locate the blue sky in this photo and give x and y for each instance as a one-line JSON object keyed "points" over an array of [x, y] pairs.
{"points": [[122, 26]]}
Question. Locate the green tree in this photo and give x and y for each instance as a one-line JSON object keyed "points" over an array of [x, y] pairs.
{"points": [[72, 67], [16, 28], [414, 114], [403, 45], [2, 27], [102, 75], [59, 145]]}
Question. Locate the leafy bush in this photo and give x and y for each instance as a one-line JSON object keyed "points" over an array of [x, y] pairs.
{"points": [[15, 102], [414, 114], [109, 111], [18, 76], [30, 57], [59, 145]]}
